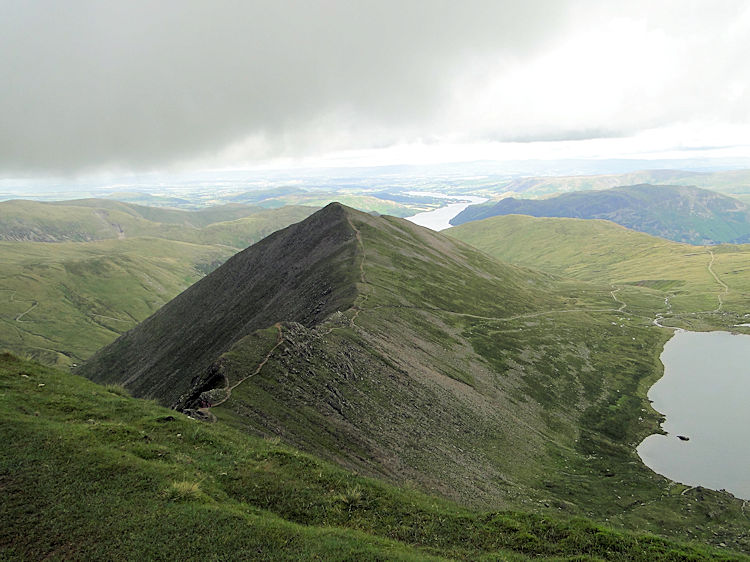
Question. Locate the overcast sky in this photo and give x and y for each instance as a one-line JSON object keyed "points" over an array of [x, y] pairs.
{"points": [[132, 85]]}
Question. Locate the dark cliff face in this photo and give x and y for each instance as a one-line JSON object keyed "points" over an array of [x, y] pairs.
{"points": [[682, 214], [302, 273]]}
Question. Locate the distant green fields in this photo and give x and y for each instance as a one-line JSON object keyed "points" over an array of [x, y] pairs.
{"points": [[88, 220]]}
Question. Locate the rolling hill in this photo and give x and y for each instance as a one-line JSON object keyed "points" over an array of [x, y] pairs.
{"points": [[682, 214], [729, 182], [684, 283], [62, 300], [407, 356], [87, 220]]}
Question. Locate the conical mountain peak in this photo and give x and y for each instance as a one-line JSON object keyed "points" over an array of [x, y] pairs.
{"points": [[302, 273]]}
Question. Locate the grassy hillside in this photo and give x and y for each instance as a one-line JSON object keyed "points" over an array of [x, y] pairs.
{"points": [[682, 214], [87, 220], [61, 301], [90, 473], [651, 275], [445, 370]]}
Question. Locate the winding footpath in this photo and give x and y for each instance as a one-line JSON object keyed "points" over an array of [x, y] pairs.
{"points": [[33, 306], [206, 411], [614, 297]]}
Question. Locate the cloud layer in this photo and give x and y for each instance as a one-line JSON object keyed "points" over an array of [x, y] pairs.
{"points": [[146, 84]]}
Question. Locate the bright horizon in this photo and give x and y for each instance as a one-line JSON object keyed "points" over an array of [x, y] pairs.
{"points": [[105, 90]]}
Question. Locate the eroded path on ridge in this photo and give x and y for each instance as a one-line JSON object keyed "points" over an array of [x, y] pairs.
{"points": [[206, 411], [362, 277]]}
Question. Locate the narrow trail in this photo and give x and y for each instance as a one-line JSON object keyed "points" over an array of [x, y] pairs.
{"points": [[529, 315], [111, 318], [362, 277], [206, 411], [12, 298], [33, 306], [686, 490], [719, 281], [12, 293], [614, 297]]}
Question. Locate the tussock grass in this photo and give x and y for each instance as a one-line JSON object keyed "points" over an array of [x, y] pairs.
{"points": [[117, 389]]}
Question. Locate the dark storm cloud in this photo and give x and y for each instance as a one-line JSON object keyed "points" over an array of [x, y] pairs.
{"points": [[91, 84]]}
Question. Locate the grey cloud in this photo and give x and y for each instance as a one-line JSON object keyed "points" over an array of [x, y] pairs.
{"points": [[140, 84]]}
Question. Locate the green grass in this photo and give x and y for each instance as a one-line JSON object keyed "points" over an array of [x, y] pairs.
{"points": [[647, 270], [91, 474], [87, 220], [60, 302], [451, 373]]}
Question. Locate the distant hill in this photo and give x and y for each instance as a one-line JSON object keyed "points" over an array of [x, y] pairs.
{"points": [[408, 356], [682, 214], [87, 220], [729, 182], [99, 267], [651, 274]]}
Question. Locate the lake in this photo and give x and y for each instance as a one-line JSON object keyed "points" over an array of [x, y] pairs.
{"points": [[705, 396], [438, 219]]}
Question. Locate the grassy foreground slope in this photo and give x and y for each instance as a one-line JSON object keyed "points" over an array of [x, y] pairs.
{"points": [[441, 368], [650, 275], [90, 473]]}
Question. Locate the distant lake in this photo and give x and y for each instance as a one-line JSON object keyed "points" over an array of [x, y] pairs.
{"points": [[705, 396], [438, 219]]}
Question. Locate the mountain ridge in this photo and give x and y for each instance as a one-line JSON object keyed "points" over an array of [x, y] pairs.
{"points": [[679, 213], [249, 277], [439, 368]]}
